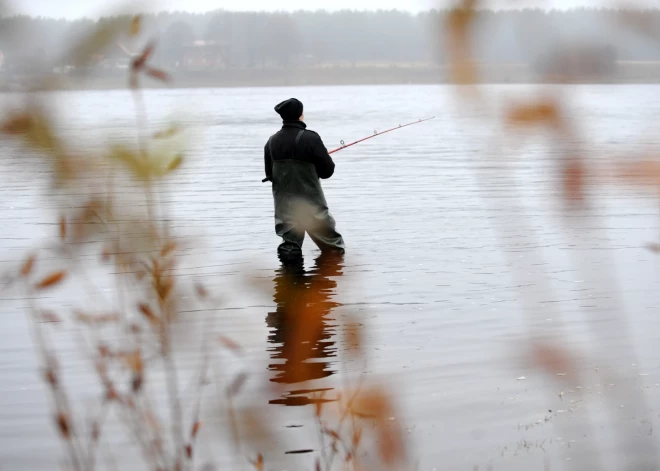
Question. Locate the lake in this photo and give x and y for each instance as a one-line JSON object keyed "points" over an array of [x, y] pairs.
{"points": [[458, 253]]}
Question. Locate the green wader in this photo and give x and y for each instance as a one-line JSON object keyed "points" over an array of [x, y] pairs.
{"points": [[300, 207]]}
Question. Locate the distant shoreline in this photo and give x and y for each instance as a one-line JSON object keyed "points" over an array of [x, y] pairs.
{"points": [[626, 73]]}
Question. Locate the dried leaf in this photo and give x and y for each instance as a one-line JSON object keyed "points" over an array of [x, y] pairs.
{"points": [[372, 403], [111, 394], [35, 128], [18, 124], [318, 406], [390, 444], [136, 383], [93, 320], [28, 265], [653, 247], [158, 74], [149, 314], [141, 61], [545, 112], [554, 360], [354, 337], [136, 25], [101, 368], [573, 176], [133, 361], [201, 291], [164, 288], [49, 317], [176, 163], [51, 378], [645, 172], [51, 280], [169, 247], [231, 345], [96, 432], [332, 433], [63, 228], [258, 463], [105, 256], [63, 426], [104, 351], [357, 436]]}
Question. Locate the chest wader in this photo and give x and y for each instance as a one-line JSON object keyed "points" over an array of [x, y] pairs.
{"points": [[300, 206]]}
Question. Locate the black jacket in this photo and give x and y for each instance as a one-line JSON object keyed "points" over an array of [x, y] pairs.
{"points": [[310, 149]]}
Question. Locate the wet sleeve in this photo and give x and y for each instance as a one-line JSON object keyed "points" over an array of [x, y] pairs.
{"points": [[325, 167], [268, 161]]}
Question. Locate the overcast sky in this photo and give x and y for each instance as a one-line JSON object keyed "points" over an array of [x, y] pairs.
{"points": [[94, 8]]}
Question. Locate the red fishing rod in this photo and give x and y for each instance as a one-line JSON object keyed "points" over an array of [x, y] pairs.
{"points": [[375, 134]]}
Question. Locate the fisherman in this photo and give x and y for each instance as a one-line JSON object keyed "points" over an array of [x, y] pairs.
{"points": [[295, 159]]}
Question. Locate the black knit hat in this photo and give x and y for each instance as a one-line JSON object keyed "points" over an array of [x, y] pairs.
{"points": [[290, 110]]}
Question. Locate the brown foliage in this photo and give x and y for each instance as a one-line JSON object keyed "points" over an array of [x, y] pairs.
{"points": [[18, 124], [51, 378], [140, 61], [376, 405], [133, 361], [458, 26], [28, 265], [554, 360], [258, 463], [99, 319], [161, 76], [62, 228], [63, 426], [49, 317], [51, 280], [201, 291], [573, 173], [540, 112], [230, 345], [149, 314], [195, 429]]}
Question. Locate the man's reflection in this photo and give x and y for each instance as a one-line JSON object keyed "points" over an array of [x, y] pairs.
{"points": [[301, 334]]}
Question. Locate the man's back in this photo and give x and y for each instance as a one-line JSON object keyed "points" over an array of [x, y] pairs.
{"points": [[289, 144]]}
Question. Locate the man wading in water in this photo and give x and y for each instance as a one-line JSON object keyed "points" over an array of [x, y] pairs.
{"points": [[295, 160]]}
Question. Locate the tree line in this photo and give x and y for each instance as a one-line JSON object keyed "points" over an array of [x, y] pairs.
{"points": [[264, 39]]}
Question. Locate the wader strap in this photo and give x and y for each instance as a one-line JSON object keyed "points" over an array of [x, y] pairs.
{"points": [[299, 136], [270, 142]]}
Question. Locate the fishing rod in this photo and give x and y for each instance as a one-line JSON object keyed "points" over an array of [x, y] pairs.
{"points": [[375, 134]]}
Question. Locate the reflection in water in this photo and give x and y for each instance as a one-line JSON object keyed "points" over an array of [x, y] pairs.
{"points": [[301, 335]]}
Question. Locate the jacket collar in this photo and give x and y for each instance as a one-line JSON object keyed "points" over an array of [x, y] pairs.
{"points": [[293, 124]]}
